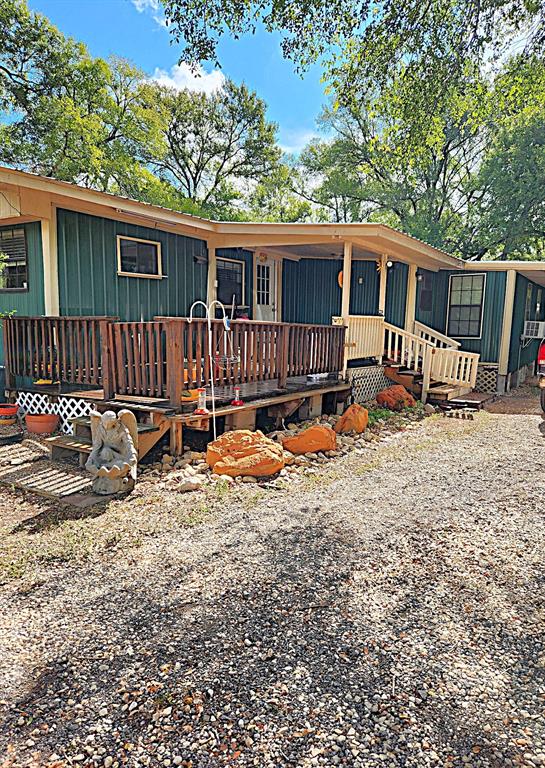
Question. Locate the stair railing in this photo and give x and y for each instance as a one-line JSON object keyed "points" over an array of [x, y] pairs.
{"points": [[436, 338], [453, 366]]}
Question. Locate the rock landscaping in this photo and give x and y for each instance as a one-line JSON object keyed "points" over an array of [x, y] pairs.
{"points": [[379, 607]]}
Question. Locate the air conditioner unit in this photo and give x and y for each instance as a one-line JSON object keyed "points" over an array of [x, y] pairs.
{"points": [[534, 329]]}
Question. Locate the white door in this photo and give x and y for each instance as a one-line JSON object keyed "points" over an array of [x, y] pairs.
{"points": [[266, 288]]}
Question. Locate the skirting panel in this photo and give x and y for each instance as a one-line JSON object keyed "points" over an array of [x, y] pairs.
{"points": [[487, 379], [66, 407], [367, 382]]}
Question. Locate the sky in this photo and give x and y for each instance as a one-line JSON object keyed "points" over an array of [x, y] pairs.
{"points": [[134, 29]]}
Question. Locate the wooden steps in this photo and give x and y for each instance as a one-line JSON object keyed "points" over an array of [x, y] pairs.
{"points": [[447, 392], [64, 446]]}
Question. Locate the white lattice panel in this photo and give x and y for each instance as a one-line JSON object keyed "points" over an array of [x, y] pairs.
{"points": [[72, 408], [66, 407], [487, 379], [367, 382]]}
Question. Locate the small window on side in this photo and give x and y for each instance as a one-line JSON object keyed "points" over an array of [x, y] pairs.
{"points": [[230, 277], [138, 258], [14, 265]]}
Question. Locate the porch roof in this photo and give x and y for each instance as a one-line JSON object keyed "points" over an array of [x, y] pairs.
{"points": [[532, 270], [27, 195]]}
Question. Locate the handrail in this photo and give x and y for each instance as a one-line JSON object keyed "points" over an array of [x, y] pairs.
{"points": [[454, 366], [436, 338]]}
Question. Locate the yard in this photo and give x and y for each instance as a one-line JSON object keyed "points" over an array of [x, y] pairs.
{"points": [[385, 611]]}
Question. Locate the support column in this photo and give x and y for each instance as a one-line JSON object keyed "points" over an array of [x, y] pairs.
{"points": [[410, 306], [212, 274], [347, 279], [382, 286], [507, 325], [50, 264]]}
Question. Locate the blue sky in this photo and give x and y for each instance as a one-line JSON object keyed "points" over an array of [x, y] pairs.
{"points": [[133, 29]]}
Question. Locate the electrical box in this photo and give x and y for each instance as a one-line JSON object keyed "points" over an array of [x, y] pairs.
{"points": [[534, 329]]}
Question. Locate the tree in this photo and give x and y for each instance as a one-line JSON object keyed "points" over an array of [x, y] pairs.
{"points": [[373, 35], [213, 147]]}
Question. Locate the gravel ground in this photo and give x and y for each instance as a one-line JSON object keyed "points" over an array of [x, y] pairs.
{"points": [[386, 612]]}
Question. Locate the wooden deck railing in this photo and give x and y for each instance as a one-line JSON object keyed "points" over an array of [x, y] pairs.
{"points": [[364, 336], [453, 366], [436, 338], [404, 348], [67, 349], [162, 357]]}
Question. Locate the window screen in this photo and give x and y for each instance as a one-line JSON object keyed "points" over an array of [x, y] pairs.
{"points": [[14, 273], [230, 277], [139, 257], [465, 306]]}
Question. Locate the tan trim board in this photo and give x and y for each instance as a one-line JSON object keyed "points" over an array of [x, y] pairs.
{"points": [[507, 323]]}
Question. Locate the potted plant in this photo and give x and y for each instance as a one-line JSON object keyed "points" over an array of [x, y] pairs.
{"points": [[41, 423], [8, 413]]}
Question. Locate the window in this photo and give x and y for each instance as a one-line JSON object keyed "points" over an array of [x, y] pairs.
{"points": [[528, 306], [425, 295], [140, 258], [263, 287], [465, 306], [14, 274], [230, 277]]}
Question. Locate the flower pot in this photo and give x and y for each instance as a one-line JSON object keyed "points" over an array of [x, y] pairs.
{"points": [[8, 410], [41, 423]]}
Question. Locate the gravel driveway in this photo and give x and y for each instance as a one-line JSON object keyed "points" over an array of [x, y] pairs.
{"points": [[388, 612]]}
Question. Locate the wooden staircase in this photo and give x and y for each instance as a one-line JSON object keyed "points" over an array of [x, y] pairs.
{"points": [[427, 362], [150, 431]]}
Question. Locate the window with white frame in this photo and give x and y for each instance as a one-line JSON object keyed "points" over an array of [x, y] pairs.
{"points": [[14, 266], [230, 277], [465, 310], [263, 284], [138, 258]]}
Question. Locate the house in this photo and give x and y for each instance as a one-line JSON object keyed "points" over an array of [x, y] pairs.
{"points": [[408, 308]]}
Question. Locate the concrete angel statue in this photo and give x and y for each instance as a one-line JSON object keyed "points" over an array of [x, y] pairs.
{"points": [[114, 456]]}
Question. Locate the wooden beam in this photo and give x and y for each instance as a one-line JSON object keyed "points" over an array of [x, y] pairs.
{"points": [[50, 264], [347, 274], [507, 324], [410, 306], [383, 283], [212, 274]]}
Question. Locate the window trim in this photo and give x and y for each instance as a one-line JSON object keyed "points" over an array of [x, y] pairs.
{"points": [[243, 268], [466, 274], [19, 290], [120, 272]]}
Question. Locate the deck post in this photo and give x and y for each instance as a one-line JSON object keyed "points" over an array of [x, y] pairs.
{"points": [[283, 358], [175, 363], [8, 361], [105, 361], [426, 371], [410, 308]]}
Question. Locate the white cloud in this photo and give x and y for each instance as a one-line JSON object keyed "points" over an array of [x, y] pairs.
{"points": [[292, 141], [181, 76], [153, 7]]}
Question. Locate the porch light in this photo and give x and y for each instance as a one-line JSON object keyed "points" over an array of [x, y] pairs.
{"points": [[389, 264]]}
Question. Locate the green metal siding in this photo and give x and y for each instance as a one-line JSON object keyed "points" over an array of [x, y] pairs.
{"points": [[29, 302], [489, 344], [247, 257], [364, 295], [396, 294], [88, 279], [310, 290], [523, 353]]}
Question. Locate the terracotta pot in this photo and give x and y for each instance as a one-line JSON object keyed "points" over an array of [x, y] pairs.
{"points": [[10, 421], [41, 423], [8, 410]]}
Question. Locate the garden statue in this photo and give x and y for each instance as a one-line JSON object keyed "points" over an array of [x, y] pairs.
{"points": [[114, 455]]}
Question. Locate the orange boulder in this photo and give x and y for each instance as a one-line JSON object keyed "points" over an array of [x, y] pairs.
{"points": [[396, 398], [354, 419], [311, 440], [243, 452]]}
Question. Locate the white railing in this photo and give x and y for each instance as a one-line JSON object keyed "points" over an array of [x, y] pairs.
{"points": [[453, 366], [436, 338], [404, 348], [364, 337], [423, 352]]}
